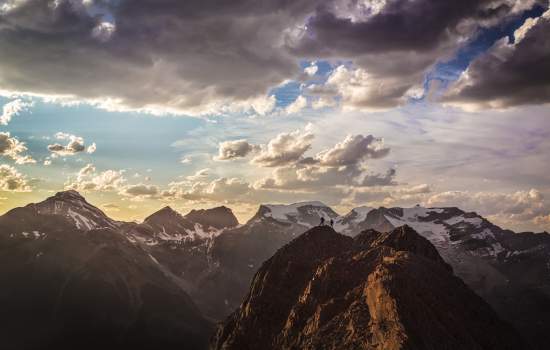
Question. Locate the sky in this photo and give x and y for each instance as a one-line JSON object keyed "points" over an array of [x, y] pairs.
{"points": [[195, 104]]}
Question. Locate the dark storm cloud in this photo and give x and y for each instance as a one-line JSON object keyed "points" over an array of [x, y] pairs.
{"points": [[179, 54], [198, 56], [400, 25], [509, 74], [395, 45]]}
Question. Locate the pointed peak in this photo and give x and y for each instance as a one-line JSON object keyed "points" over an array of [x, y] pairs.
{"points": [[163, 212], [166, 209], [69, 194], [405, 238]]}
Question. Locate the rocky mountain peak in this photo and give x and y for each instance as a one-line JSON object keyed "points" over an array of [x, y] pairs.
{"points": [[74, 207], [218, 218], [169, 222], [70, 195], [325, 290], [403, 238]]}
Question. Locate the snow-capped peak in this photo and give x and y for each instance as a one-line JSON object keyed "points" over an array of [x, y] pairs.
{"points": [[305, 214], [74, 206], [283, 211]]}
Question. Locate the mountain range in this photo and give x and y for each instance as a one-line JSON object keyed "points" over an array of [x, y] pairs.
{"points": [[172, 276]]}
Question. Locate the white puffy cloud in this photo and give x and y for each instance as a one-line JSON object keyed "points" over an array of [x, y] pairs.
{"points": [[13, 181], [357, 89], [91, 148], [75, 145], [297, 105], [218, 190], [12, 148], [285, 148], [352, 150], [12, 109], [323, 102], [88, 179], [229, 150], [344, 164], [311, 70]]}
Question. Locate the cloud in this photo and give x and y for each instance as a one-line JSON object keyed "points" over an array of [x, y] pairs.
{"points": [[134, 50], [285, 148], [135, 53], [353, 150], [12, 109], [297, 105], [229, 150], [323, 102], [390, 53], [218, 190], [13, 181], [91, 148], [344, 164], [510, 208], [75, 145], [359, 90], [12, 148], [386, 179], [311, 70], [185, 160], [88, 179], [416, 189], [510, 73], [199, 175], [140, 190], [103, 31]]}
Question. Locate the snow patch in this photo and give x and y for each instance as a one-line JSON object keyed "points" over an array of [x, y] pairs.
{"points": [[282, 212]]}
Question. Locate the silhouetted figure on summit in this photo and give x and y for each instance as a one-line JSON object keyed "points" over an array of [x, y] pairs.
{"points": [[322, 221], [332, 223]]}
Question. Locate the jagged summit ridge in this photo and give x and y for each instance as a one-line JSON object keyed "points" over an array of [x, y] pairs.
{"points": [[326, 290]]}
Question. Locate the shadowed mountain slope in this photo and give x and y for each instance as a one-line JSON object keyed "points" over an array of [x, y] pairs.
{"points": [[379, 291]]}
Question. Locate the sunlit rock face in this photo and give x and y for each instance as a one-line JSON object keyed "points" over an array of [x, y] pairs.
{"points": [[377, 291]]}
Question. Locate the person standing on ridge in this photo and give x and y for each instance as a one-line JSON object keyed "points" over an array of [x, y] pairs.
{"points": [[332, 223], [322, 221]]}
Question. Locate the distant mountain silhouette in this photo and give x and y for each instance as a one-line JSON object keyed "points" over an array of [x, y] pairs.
{"points": [[68, 283]]}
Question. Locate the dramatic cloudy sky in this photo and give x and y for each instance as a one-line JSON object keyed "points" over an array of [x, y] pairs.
{"points": [[139, 104]]}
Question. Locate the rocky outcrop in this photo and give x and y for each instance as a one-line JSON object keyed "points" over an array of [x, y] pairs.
{"points": [[377, 291]]}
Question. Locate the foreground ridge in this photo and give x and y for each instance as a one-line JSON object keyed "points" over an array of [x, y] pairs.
{"points": [[389, 290]]}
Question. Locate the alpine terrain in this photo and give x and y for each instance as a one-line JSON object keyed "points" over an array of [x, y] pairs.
{"points": [[63, 259], [377, 291]]}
